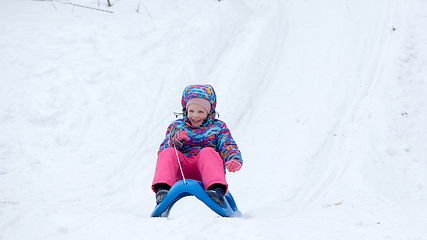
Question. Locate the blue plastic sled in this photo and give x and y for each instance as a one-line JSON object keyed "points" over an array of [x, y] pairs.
{"points": [[195, 188]]}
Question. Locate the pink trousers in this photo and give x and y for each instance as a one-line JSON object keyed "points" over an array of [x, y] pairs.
{"points": [[206, 167]]}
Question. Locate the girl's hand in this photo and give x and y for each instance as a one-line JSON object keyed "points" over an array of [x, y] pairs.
{"points": [[177, 136], [233, 165], [180, 137]]}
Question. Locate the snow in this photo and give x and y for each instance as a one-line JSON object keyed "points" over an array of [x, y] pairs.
{"points": [[326, 101]]}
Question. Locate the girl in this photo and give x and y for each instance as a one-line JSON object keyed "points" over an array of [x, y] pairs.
{"points": [[203, 144]]}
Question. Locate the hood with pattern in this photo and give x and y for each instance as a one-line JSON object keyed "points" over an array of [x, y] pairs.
{"points": [[202, 91]]}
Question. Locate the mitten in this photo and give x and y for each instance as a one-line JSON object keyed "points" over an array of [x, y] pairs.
{"points": [[177, 137], [233, 165], [180, 136]]}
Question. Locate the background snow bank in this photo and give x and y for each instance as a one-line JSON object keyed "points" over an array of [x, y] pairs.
{"points": [[325, 100]]}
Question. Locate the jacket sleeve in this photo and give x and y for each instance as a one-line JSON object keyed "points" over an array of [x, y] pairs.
{"points": [[227, 147], [172, 129], [166, 143]]}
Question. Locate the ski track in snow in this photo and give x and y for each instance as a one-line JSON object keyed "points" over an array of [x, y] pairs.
{"points": [[326, 102]]}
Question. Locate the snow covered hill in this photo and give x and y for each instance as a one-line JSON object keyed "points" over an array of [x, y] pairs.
{"points": [[326, 101]]}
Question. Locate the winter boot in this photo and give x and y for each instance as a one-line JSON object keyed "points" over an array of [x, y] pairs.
{"points": [[216, 194], [161, 190], [161, 193]]}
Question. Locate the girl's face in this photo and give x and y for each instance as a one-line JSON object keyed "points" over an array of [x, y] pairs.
{"points": [[196, 114]]}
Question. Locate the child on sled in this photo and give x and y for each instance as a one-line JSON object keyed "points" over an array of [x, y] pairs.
{"points": [[204, 146]]}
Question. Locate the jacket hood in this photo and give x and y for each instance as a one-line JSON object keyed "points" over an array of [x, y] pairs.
{"points": [[202, 91]]}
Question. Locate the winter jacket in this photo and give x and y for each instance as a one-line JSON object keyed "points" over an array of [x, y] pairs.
{"points": [[212, 133]]}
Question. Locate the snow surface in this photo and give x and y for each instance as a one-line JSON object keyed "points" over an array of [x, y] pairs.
{"points": [[326, 99]]}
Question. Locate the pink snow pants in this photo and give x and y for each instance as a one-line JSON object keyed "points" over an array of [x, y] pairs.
{"points": [[206, 167]]}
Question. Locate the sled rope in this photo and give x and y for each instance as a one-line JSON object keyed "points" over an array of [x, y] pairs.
{"points": [[179, 163]]}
